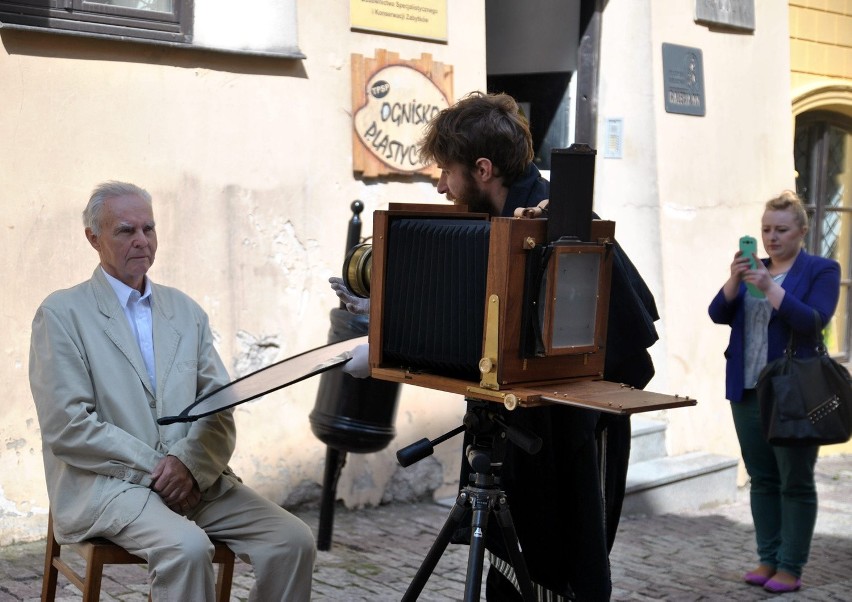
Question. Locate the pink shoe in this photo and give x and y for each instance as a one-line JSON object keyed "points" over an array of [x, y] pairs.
{"points": [[776, 587], [754, 578]]}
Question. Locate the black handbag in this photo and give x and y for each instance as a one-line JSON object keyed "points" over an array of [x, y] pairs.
{"points": [[805, 400]]}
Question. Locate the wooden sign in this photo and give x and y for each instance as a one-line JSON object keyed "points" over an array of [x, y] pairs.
{"points": [[392, 101]]}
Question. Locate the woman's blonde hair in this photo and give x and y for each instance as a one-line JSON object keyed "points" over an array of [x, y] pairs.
{"points": [[789, 201]]}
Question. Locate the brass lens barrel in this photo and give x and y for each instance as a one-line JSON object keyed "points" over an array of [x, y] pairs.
{"points": [[357, 269]]}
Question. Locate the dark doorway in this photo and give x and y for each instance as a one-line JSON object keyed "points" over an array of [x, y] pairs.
{"points": [[544, 97], [532, 50]]}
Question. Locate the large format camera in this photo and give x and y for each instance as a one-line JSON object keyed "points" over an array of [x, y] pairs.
{"points": [[512, 310], [436, 297]]}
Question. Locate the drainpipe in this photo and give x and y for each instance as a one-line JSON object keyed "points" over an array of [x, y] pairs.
{"points": [[585, 129]]}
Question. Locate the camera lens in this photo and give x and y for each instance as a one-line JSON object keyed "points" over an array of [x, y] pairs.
{"points": [[357, 268]]}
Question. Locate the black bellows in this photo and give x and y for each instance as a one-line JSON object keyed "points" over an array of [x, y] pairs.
{"points": [[434, 305]]}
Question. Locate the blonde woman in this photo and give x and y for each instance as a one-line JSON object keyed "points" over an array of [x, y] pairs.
{"points": [[793, 284]]}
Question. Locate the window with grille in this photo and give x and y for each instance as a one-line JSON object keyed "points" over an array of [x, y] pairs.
{"points": [[823, 158]]}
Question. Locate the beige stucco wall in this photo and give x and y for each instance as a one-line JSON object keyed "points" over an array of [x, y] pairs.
{"points": [[688, 187], [249, 163]]}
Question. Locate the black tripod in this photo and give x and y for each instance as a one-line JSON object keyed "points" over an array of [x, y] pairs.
{"points": [[483, 494]]}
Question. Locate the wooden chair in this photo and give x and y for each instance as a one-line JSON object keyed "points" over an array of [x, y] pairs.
{"points": [[98, 551]]}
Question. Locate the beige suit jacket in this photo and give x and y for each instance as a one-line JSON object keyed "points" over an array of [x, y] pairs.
{"points": [[97, 410]]}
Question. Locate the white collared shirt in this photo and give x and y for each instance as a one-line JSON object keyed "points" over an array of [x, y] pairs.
{"points": [[137, 309]]}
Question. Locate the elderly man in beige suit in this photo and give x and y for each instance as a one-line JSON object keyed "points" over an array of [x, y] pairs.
{"points": [[107, 358]]}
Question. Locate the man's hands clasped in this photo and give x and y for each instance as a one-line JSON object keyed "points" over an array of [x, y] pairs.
{"points": [[173, 482]]}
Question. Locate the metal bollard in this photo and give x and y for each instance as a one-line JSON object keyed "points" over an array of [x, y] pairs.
{"points": [[350, 414]]}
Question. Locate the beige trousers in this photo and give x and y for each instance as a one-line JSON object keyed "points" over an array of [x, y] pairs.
{"points": [[278, 545]]}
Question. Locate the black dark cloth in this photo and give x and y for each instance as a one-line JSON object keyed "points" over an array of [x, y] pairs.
{"points": [[565, 524], [630, 332]]}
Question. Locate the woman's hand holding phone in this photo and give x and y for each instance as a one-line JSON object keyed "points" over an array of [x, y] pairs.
{"points": [[748, 248]]}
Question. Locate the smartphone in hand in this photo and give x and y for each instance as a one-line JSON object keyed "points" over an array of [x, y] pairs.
{"points": [[748, 246]]}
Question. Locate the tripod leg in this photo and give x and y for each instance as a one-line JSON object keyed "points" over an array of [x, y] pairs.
{"points": [[476, 554], [438, 546], [510, 536]]}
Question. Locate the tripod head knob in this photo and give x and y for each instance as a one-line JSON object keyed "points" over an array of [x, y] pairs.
{"points": [[479, 459]]}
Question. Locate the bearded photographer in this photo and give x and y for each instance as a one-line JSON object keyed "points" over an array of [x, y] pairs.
{"points": [[484, 149]]}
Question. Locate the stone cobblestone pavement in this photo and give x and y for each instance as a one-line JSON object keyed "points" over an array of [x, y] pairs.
{"points": [[689, 556]]}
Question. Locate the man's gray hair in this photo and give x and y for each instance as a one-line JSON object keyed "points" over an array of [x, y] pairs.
{"points": [[102, 193]]}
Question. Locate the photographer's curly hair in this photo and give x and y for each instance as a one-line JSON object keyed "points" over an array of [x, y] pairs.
{"points": [[480, 125]]}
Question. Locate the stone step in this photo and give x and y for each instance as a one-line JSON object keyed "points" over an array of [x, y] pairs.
{"points": [[690, 481], [648, 439]]}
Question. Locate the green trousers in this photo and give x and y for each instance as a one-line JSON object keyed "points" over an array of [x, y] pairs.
{"points": [[783, 493]]}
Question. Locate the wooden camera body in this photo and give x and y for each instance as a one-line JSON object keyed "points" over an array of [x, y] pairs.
{"points": [[569, 305], [504, 307], [532, 315]]}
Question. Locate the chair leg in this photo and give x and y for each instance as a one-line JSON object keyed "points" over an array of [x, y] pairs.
{"points": [[224, 580], [94, 574], [52, 550]]}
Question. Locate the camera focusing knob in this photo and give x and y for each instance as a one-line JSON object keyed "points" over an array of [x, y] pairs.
{"points": [[510, 401]]}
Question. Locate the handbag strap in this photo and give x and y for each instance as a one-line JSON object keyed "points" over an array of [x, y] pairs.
{"points": [[820, 347], [821, 350]]}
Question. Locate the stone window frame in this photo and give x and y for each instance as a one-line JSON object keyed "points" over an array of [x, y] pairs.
{"points": [[100, 19], [813, 157]]}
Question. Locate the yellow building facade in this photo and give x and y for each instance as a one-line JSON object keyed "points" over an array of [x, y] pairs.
{"points": [[821, 94]]}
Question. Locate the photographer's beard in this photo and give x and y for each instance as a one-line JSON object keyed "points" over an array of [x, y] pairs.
{"points": [[477, 200]]}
